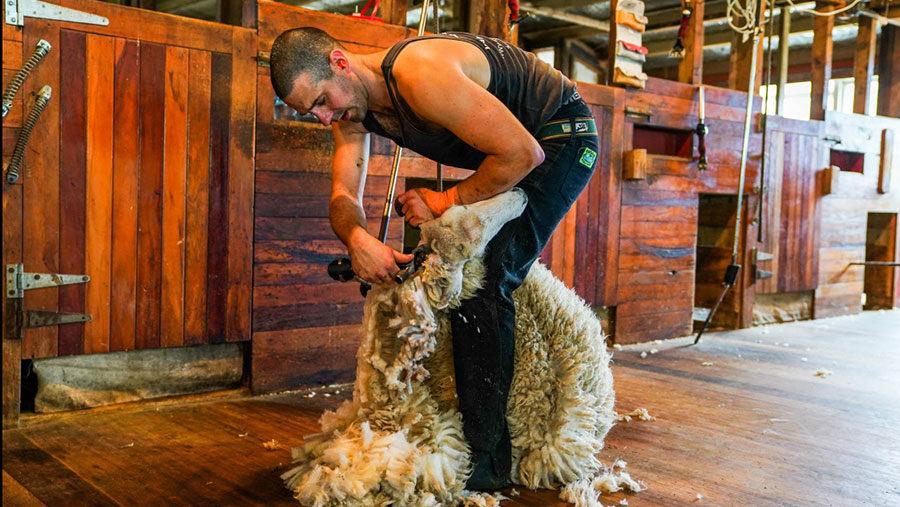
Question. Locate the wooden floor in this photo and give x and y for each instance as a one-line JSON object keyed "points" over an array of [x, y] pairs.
{"points": [[756, 427]]}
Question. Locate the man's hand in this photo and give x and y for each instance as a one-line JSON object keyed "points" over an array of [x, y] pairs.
{"points": [[373, 261], [421, 205]]}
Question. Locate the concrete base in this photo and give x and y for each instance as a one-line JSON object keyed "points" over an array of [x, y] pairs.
{"points": [[784, 307], [76, 382]]}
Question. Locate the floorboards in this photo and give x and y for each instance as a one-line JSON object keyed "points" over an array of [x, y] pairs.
{"points": [[740, 419]]}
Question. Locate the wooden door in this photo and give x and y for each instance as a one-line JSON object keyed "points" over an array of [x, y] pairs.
{"points": [[139, 174], [790, 219]]}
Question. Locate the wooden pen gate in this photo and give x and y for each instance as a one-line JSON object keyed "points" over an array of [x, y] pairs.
{"points": [[139, 174]]}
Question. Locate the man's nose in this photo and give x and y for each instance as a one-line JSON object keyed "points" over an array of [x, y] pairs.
{"points": [[324, 117]]}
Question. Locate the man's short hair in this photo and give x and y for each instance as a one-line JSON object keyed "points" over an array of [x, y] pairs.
{"points": [[300, 50]]}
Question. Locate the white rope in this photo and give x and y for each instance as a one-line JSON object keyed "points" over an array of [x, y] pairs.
{"points": [[829, 13], [745, 14]]}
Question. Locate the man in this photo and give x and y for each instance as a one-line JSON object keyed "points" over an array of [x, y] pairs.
{"points": [[466, 101]]}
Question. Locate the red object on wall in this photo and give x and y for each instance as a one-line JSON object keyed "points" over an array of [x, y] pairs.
{"points": [[371, 16]]}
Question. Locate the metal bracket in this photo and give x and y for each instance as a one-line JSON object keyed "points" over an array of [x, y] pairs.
{"points": [[17, 281], [759, 256], [762, 274], [16, 10], [46, 318]]}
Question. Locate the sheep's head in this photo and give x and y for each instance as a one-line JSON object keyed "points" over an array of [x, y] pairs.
{"points": [[463, 232], [459, 236]]}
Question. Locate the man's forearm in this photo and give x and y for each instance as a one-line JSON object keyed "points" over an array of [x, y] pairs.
{"points": [[347, 218], [493, 177]]}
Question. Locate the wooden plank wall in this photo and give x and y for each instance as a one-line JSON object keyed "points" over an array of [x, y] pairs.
{"points": [[139, 174], [657, 256], [844, 214]]}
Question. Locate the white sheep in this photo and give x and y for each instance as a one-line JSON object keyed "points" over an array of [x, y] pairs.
{"points": [[400, 439]]}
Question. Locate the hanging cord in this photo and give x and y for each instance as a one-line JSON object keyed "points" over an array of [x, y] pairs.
{"points": [[686, 12], [43, 47], [40, 101], [829, 13], [764, 119]]}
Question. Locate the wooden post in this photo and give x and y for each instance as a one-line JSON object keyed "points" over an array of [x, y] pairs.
{"points": [[690, 69], [820, 72], [394, 12], [741, 56], [889, 72], [864, 64], [886, 161], [487, 17], [783, 62]]}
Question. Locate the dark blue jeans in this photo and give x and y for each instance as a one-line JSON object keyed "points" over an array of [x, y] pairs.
{"points": [[484, 326]]}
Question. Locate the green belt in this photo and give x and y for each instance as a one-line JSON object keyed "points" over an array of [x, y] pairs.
{"points": [[563, 128]]}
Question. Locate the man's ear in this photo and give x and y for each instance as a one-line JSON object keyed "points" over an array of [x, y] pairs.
{"points": [[339, 59]]}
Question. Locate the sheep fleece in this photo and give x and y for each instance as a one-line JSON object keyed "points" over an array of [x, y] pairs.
{"points": [[399, 441]]}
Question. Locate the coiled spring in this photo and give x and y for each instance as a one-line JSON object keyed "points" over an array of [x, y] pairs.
{"points": [[40, 101], [43, 47]]}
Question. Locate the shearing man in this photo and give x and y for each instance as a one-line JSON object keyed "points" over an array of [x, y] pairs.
{"points": [[466, 101]]}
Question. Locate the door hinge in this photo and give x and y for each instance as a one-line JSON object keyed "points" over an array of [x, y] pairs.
{"points": [[45, 318], [18, 281], [17, 10]]}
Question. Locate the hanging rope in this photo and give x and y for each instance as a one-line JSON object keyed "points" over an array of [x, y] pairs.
{"points": [[829, 13], [742, 18]]}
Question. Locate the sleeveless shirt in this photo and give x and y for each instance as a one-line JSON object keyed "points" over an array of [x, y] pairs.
{"points": [[531, 89]]}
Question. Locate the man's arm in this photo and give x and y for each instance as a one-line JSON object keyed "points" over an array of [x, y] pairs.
{"points": [[440, 91], [371, 259]]}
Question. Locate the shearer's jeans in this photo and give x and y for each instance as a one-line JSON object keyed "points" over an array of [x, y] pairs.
{"points": [[484, 326]]}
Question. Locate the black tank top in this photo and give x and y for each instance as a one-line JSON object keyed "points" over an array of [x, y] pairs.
{"points": [[530, 88]]}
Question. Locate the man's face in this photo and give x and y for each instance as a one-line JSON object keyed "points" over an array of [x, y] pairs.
{"points": [[338, 98]]}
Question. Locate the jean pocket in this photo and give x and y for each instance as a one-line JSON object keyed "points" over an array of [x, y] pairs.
{"points": [[581, 165]]}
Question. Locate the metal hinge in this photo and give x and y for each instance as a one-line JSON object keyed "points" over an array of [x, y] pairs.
{"points": [[18, 281], [17, 10], [762, 274], [262, 59], [760, 256]]}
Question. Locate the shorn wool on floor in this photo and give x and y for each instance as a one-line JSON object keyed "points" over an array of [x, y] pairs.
{"points": [[400, 441]]}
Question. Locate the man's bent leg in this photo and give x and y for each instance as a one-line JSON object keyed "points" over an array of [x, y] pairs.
{"points": [[484, 326]]}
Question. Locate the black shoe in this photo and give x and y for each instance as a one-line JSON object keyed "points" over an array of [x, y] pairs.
{"points": [[484, 477]]}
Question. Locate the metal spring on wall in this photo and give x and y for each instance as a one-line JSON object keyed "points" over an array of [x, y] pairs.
{"points": [[43, 47], [40, 101]]}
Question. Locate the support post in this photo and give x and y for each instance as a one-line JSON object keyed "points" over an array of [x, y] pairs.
{"points": [[864, 64], [394, 12], [690, 69], [889, 72], [783, 58], [820, 71]]}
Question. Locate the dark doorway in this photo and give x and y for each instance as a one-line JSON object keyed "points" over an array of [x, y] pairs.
{"points": [[881, 246], [716, 216]]}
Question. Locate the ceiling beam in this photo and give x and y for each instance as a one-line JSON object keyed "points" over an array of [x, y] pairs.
{"points": [[577, 19]]}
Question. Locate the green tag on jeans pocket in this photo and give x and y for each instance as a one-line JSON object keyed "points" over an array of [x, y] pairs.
{"points": [[588, 157]]}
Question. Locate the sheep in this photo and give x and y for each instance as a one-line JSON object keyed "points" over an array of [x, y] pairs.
{"points": [[400, 439]]}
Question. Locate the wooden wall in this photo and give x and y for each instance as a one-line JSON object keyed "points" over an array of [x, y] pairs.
{"points": [[138, 174], [844, 214], [658, 242]]}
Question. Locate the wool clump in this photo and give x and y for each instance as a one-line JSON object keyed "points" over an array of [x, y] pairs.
{"points": [[400, 440]]}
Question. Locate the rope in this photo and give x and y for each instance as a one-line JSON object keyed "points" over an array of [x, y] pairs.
{"points": [[746, 16], [829, 13]]}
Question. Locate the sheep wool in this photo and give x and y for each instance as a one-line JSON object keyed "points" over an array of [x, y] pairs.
{"points": [[400, 441]]}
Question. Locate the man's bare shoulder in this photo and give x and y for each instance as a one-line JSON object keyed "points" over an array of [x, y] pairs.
{"points": [[441, 55]]}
